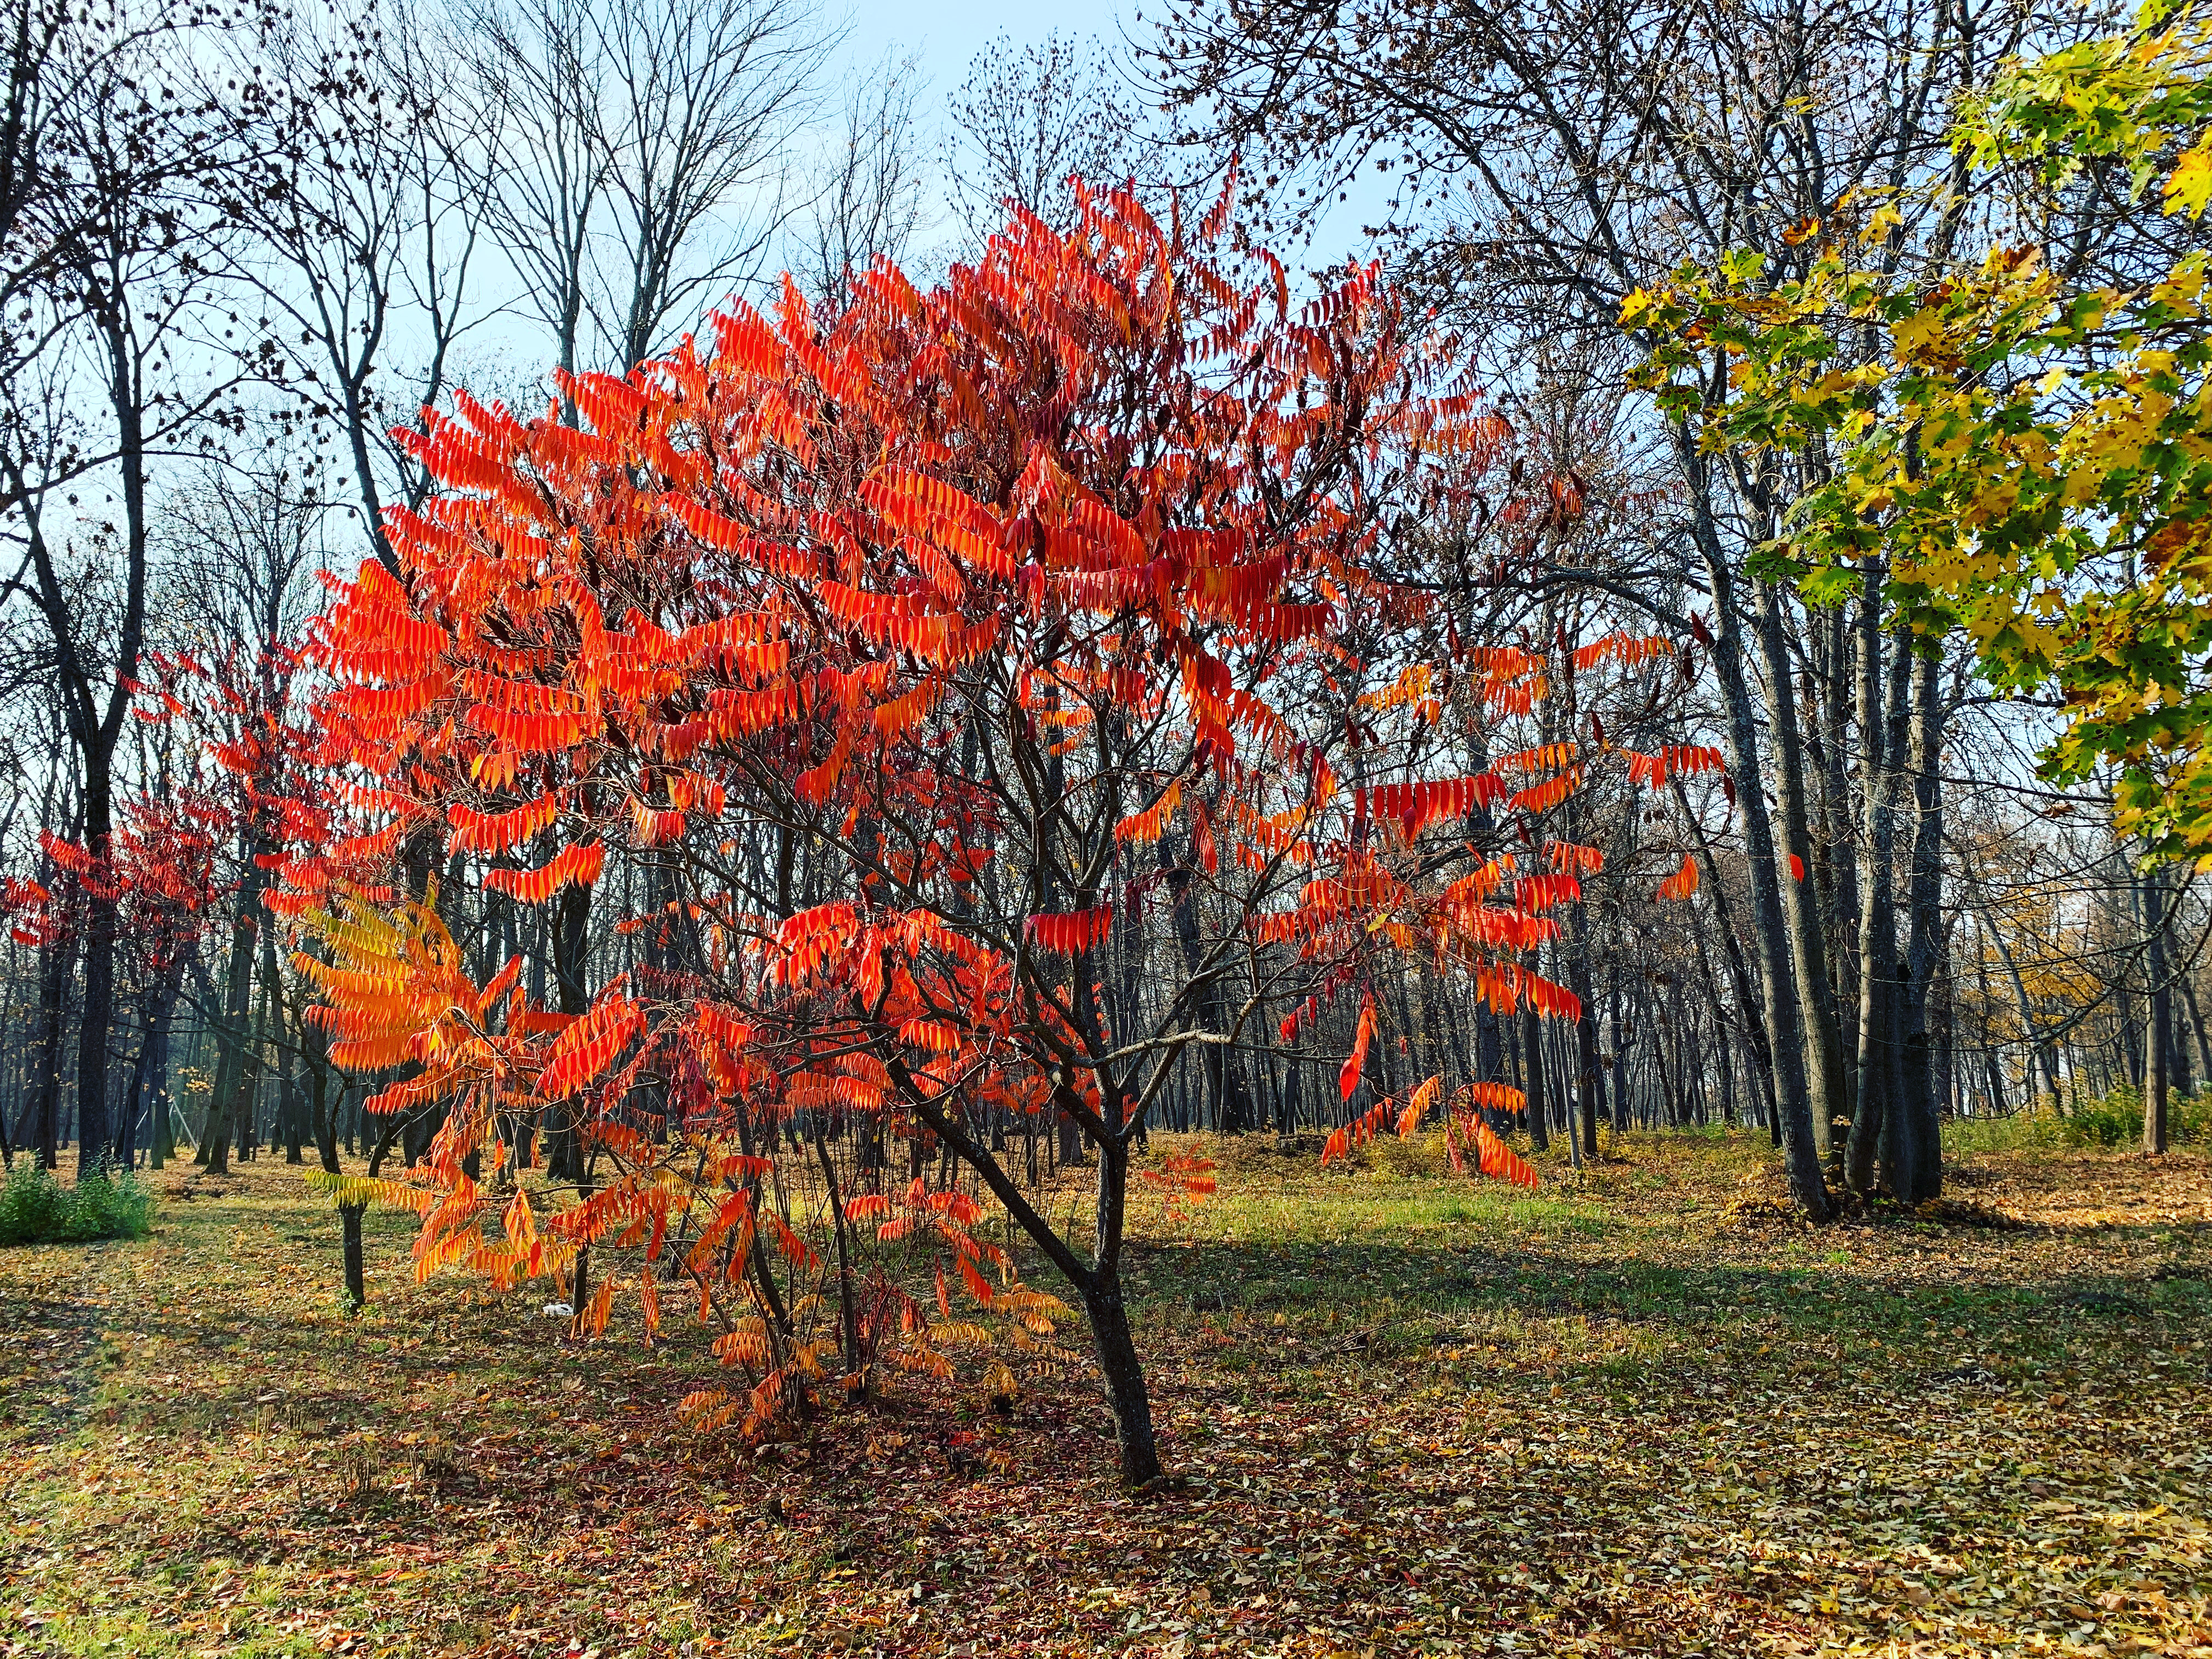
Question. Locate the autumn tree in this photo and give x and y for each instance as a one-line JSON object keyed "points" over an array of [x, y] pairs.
{"points": [[906, 643], [2014, 437]]}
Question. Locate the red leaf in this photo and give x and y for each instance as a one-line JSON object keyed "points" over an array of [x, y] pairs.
{"points": [[1349, 1079]]}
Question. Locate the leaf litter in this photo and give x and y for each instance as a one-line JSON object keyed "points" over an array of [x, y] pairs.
{"points": [[1633, 1413]]}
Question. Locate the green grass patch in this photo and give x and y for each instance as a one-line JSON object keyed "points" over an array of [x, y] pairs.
{"points": [[36, 1208], [2109, 1122]]}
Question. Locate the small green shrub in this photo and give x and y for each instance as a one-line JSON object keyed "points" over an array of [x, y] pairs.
{"points": [[33, 1205], [2109, 1120], [35, 1208], [2112, 1120], [2116, 1119], [2191, 1118]]}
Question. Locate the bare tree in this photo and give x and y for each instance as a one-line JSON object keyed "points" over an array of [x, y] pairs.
{"points": [[1024, 124], [640, 149], [374, 190], [869, 207]]}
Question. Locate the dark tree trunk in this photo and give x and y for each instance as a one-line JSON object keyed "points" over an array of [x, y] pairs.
{"points": [[848, 1317], [1531, 1073], [233, 1027], [2160, 1025], [1785, 1030], [95, 1135], [564, 1141], [1924, 1029], [46, 1072], [1126, 1394], [1880, 1089], [1824, 1060], [357, 1270]]}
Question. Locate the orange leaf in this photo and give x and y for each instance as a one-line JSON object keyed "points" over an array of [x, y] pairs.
{"points": [[589, 1045], [579, 865], [1682, 883], [1349, 1079], [1499, 1161]]}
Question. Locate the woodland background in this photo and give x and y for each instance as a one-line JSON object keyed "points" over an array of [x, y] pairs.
{"points": [[1851, 948], [280, 234]]}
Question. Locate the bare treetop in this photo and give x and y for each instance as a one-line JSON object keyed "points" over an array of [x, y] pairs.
{"points": [[1024, 123]]}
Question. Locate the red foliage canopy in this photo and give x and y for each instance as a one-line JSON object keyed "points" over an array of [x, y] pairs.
{"points": [[909, 652]]}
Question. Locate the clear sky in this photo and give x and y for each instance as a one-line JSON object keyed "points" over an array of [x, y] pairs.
{"points": [[949, 34]]}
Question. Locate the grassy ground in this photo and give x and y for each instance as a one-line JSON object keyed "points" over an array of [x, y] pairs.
{"points": [[1641, 1411]]}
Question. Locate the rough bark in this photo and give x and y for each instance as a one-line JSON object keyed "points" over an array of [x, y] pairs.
{"points": [[1882, 744], [1824, 1061], [1770, 931], [1925, 1030], [2160, 1025]]}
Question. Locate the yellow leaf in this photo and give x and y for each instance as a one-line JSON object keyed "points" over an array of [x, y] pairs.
{"points": [[2189, 186], [1879, 223], [1918, 333]]}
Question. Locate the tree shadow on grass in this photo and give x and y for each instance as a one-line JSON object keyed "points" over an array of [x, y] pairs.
{"points": [[1436, 1294]]}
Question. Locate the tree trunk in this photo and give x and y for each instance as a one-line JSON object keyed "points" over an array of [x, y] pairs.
{"points": [[1823, 1059], [1586, 1081], [564, 1141], [233, 1030], [152, 1043], [1126, 1392], [95, 1136], [1838, 868], [1784, 1015], [2160, 1025], [47, 1077], [849, 1317], [2196, 1027], [1882, 748], [1532, 1078], [1923, 1167], [2045, 1053], [161, 1135], [357, 1271]]}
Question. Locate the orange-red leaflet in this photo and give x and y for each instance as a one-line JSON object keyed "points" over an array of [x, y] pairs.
{"points": [[1682, 883], [1349, 1079]]}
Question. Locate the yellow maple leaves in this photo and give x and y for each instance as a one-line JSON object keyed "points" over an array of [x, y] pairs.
{"points": [[2189, 187], [2028, 453]]}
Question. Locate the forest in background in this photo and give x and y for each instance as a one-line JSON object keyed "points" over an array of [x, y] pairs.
{"points": [[689, 776], [259, 283]]}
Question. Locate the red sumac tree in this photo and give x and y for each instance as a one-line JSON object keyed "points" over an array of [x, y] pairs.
{"points": [[911, 658]]}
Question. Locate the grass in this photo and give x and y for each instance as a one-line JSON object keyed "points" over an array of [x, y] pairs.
{"points": [[2107, 1122], [1637, 1411], [35, 1208]]}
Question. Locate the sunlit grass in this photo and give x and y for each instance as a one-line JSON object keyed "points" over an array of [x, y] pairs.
{"points": [[206, 1449]]}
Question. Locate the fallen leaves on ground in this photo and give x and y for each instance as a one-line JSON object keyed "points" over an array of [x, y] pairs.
{"points": [[1407, 1416]]}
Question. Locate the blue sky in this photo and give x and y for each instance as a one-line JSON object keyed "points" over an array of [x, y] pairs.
{"points": [[947, 38], [949, 35]]}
